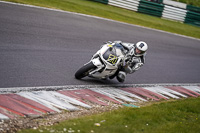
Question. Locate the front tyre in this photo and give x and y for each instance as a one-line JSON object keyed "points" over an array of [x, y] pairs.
{"points": [[84, 71]]}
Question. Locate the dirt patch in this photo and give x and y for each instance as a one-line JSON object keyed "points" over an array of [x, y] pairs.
{"points": [[14, 125]]}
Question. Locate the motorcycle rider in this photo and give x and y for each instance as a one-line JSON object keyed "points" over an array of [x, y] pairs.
{"points": [[134, 59]]}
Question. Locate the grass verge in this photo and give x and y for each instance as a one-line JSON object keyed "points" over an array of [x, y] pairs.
{"points": [[190, 2], [119, 14], [180, 116]]}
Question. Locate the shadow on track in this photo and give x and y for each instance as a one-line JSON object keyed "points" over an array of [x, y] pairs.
{"points": [[98, 81]]}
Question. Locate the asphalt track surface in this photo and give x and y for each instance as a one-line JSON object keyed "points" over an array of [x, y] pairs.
{"points": [[40, 47]]}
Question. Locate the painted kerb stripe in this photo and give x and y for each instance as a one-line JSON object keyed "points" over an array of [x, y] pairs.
{"points": [[36, 103]]}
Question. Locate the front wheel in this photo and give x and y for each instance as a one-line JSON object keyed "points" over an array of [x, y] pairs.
{"points": [[84, 71]]}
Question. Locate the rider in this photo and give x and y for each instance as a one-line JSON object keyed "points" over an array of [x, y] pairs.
{"points": [[134, 58]]}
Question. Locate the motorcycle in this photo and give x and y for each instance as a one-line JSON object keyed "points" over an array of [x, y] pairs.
{"points": [[104, 63]]}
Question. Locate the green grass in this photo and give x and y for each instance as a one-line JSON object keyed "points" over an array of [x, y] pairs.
{"points": [[119, 14], [190, 2], [182, 116]]}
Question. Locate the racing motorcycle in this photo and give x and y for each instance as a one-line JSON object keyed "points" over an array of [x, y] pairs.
{"points": [[104, 63]]}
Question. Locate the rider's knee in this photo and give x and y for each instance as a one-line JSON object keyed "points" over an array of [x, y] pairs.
{"points": [[121, 76]]}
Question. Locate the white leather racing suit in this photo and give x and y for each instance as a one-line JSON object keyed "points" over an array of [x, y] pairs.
{"points": [[131, 63]]}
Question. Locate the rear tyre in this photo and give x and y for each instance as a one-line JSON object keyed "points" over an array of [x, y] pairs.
{"points": [[84, 71]]}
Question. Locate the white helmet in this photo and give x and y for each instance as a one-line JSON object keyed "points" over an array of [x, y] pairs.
{"points": [[140, 48]]}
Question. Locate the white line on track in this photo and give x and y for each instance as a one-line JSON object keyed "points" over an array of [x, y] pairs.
{"points": [[55, 88], [57, 10]]}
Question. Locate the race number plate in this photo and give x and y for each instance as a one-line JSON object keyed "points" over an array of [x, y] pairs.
{"points": [[112, 59]]}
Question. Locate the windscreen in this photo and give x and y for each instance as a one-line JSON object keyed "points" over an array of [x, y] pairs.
{"points": [[111, 55]]}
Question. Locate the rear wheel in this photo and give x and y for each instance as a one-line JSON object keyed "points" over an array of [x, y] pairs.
{"points": [[84, 71]]}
